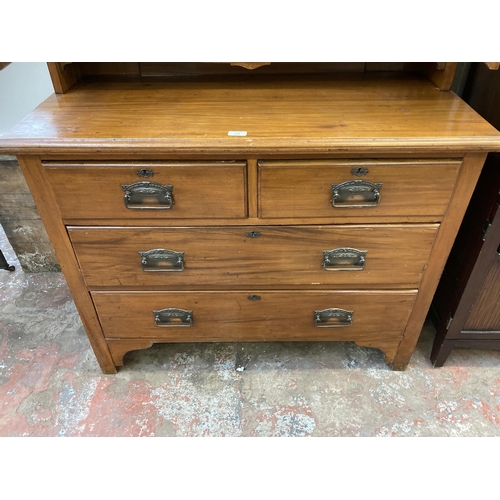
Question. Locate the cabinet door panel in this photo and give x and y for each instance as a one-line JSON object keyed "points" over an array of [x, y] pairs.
{"points": [[485, 313]]}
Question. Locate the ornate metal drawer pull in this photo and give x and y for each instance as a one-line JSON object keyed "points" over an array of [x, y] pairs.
{"points": [[332, 318], [173, 317], [358, 193], [162, 260], [147, 195], [344, 259]]}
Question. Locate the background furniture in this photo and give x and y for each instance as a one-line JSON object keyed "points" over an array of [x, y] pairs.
{"points": [[296, 202], [466, 307]]}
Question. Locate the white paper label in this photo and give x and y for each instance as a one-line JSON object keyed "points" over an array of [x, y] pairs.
{"points": [[239, 133]]}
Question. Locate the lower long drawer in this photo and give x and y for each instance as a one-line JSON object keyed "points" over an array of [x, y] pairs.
{"points": [[254, 315]]}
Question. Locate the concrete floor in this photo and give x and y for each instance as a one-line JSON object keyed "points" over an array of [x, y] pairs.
{"points": [[51, 385]]}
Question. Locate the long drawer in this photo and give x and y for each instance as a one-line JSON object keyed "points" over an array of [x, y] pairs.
{"points": [[337, 189], [254, 315], [373, 255], [177, 190]]}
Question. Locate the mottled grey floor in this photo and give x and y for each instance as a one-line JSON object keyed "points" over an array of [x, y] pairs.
{"points": [[51, 385]]}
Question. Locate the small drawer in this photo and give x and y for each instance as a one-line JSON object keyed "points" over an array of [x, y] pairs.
{"points": [[351, 189], [174, 190], [350, 255], [255, 315]]}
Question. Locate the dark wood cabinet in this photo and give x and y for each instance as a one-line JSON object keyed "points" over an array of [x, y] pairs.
{"points": [[466, 306], [467, 300]]}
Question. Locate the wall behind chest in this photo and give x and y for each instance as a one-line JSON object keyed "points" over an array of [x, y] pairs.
{"points": [[23, 86]]}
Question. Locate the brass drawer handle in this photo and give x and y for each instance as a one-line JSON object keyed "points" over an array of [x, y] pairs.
{"points": [[173, 317], [356, 193], [344, 259], [332, 318], [162, 260], [148, 196]]}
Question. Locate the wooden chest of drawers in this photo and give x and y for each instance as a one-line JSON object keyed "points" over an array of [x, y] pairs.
{"points": [[331, 219]]}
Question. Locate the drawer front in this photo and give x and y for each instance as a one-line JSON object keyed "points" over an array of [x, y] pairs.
{"points": [[349, 189], [129, 191], [260, 255], [254, 315]]}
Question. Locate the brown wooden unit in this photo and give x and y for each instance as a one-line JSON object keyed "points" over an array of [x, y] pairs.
{"points": [[466, 306], [276, 206]]}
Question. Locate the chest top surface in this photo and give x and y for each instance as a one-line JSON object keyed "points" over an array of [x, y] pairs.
{"points": [[317, 114]]}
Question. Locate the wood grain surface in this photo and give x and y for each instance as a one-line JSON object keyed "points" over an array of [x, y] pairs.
{"points": [[369, 112], [280, 256], [467, 179], [304, 188], [203, 189], [276, 316], [485, 313]]}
